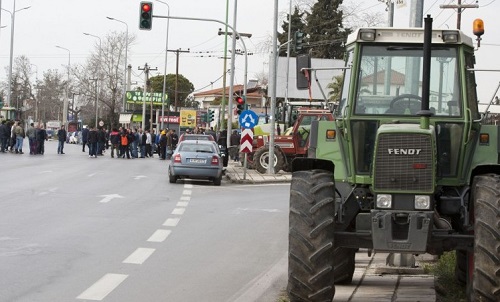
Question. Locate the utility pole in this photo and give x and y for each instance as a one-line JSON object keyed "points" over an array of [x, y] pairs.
{"points": [[96, 104], [144, 97], [177, 52], [460, 7]]}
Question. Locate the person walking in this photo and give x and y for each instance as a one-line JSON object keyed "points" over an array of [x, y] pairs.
{"points": [[92, 142], [85, 137], [61, 137]]}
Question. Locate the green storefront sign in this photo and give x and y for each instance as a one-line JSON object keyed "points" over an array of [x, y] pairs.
{"points": [[136, 97]]}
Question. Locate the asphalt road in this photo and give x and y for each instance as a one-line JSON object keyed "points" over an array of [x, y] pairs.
{"points": [[74, 228]]}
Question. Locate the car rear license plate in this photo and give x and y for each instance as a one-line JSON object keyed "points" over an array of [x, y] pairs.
{"points": [[197, 160]]}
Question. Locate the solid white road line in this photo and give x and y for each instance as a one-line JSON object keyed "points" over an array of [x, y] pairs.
{"points": [[103, 287], [182, 204], [186, 192], [159, 235], [178, 211], [171, 222], [139, 256]]}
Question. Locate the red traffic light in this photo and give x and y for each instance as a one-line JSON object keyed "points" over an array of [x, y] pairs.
{"points": [[240, 100], [146, 7]]}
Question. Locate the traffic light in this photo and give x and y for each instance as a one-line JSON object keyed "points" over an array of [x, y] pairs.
{"points": [[299, 40], [241, 104], [211, 114], [146, 17], [204, 117]]}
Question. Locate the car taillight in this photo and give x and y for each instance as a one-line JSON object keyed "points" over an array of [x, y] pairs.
{"points": [[215, 160], [177, 158]]}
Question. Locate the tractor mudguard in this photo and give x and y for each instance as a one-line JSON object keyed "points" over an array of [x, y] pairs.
{"points": [[301, 164]]}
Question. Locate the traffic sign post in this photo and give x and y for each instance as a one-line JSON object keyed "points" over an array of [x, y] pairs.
{"points": [[248, 119], [246, 147]]}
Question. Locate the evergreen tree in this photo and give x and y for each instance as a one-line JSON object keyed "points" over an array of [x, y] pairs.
{"points": [[185, 87], [326, 33], [297, 22]]}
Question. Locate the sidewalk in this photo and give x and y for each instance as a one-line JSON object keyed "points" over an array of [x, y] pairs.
{"points": [[235, 173]]}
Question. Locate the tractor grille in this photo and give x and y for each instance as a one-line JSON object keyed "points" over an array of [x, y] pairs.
{"points": [[403, 162]]}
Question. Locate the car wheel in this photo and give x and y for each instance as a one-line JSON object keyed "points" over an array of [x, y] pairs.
{"points": [[172, 178], [218, 181]]}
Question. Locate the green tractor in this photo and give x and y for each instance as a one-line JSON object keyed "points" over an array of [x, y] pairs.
{"points": [[409, 165]]}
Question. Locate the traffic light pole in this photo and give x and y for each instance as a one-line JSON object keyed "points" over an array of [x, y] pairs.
{"points": [[232, 62]]}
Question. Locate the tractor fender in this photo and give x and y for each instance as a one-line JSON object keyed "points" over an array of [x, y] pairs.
{"points": [[304, 163]]}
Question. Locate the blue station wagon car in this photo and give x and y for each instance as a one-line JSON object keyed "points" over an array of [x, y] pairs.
{"points": [[196, 159]]}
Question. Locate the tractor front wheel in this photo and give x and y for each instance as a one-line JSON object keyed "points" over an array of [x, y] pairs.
{"points": [[484, 265], [311, 251]]}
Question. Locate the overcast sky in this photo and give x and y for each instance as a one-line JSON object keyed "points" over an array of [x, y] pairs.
{"points": [[48, 23]]}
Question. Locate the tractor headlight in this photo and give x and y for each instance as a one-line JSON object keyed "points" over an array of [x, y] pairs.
{"points": [[422, 202], [384, 201]]}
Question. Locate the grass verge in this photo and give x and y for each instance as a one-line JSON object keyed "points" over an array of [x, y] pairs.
{"points": [[448, 289]]}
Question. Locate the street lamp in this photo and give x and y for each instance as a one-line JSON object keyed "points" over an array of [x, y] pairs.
{"points": [[125, 68], [165, 73], [12, 19], [98, 78], [66, 101]]}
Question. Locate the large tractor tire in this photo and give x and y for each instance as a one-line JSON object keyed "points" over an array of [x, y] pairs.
{"points": [[344, 266], [311, 233], [484, 282], [261, 160]]}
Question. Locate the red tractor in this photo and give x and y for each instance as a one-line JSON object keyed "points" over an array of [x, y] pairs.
{"points": [[292, 143]]}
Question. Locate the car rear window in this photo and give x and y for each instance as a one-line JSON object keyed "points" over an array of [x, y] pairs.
{"points": [[196, 148]]}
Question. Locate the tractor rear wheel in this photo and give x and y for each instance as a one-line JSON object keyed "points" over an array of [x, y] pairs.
{"points": [[484, 265], [311, 233], [261, 160]]}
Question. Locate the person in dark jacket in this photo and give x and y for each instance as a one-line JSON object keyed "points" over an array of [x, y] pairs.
{"points": [[114, 137], [61, 136], [85, 137], [4, 136], [41, 138], [101, 141], [235, 145], [92, 142]]}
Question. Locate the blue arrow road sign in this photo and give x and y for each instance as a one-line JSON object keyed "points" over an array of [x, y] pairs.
{"points": [[248, 119]]}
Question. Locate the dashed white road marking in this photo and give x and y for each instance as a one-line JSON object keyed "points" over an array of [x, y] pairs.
{"points": [[182, 204], [185, 198], [186, 192], [188, 186], [178, 211], [159, 235], [109, 197], [171, 222], [139, 177], [103, 287], [139, 256]]}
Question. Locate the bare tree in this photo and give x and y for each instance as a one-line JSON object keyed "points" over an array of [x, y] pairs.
{"points": [[105, 66]]}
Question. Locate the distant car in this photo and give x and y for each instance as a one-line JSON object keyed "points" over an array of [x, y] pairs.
{"points": [[205, 137], [50, 133], [72, 138], [196, 159]]}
